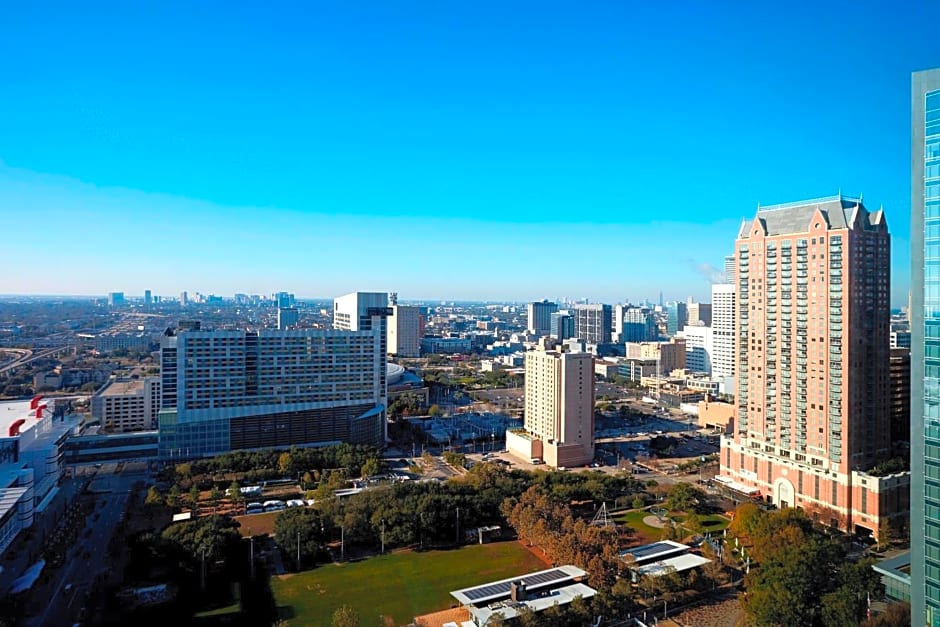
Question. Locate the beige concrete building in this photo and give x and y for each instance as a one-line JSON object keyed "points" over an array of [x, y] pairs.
{"points": [[671, 354], [812, 396], [559, 410], [405, 329], [128, 405]]}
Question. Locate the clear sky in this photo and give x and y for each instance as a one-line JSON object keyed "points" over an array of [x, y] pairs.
{"points": [[458, 150]]}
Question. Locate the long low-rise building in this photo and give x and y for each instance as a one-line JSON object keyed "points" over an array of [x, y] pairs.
{"points": [[534, 592], [31, 463]]}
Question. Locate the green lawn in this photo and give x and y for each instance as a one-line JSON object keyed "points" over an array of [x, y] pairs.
{"points": [[634, 520], [713, 523], [401, 585]]}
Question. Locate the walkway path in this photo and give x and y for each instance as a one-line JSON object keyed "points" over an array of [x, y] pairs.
{"points": [[655, 521]]}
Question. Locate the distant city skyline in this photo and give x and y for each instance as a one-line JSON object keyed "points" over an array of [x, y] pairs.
{"points": [[446, 154]]}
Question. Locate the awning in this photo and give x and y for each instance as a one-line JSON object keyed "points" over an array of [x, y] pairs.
{"points": [[730, 483]]}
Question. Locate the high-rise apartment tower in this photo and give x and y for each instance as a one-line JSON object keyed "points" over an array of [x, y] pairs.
{"points": [[812, 396]]}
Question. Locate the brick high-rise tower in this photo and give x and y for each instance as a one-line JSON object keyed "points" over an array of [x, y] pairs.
{"points": [[812, 393]]}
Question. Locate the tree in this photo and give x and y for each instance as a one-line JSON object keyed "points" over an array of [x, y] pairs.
{"points": [[194, 499], [184, 470], [345, 616], [173, 497], [154, 498], [234, 492], [638, 502], [800, 571], [285, 463], [370, 467], [896, 615], [299, 523], [685, 497], [212, 537], [434, 410], [215, 496]]}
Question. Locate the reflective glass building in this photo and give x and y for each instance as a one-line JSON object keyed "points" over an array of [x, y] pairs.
{"points": [[925, 348]]}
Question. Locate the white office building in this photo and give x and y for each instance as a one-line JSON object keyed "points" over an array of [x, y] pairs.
{"points": [[723, 326], [698, 349], [405, 329]]}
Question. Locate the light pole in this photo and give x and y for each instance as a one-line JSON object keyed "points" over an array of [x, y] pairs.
{"points": [[298, 550], [457, 534], [252, 557], [383, 536], [203, 571], [342, 543]]}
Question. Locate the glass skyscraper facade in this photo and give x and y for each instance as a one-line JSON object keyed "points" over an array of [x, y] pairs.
{"points": [[925, 348]]}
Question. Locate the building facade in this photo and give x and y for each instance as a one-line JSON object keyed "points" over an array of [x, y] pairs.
{"points": [[561, 326], [445, 345], [900, 339], [636, 324], [540, 317], [127, 405], [559, 409], [677, 316], [900, 382], [593, 323], [723, 333], [925, 348], [230, 390], [698, 349], [287, 317], [812, 414], [699, 314], [669, 355], [405, 330]]}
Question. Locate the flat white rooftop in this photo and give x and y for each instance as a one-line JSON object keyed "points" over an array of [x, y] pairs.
{"points": [[673, 564], [655, 551], [539, 602], [734, 485]]}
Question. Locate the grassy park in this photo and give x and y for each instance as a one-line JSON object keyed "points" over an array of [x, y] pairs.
{"points": [[711, 523], [401, 585]]}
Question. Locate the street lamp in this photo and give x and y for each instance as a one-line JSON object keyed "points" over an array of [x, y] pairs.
{"points": [[383, 536]]}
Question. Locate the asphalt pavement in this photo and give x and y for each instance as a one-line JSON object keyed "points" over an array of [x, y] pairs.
{"points": [[69, 589]]}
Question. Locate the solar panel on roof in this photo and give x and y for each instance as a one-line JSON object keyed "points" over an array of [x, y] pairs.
{"points": [[482, 592], [502, 588], [650, 549]]}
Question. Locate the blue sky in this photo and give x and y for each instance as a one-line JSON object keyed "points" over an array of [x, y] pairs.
{"points": [[484, 150]]}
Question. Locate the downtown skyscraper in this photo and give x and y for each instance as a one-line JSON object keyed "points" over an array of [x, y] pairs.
{"points": [[812, 395], [925, 348]]}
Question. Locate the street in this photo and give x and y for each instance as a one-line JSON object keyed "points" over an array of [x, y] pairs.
{"points": [[66, 592]]}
